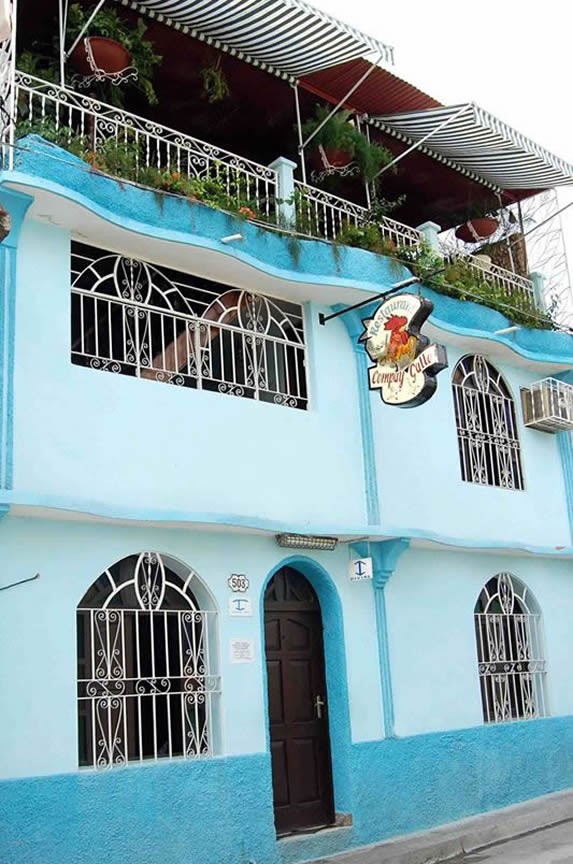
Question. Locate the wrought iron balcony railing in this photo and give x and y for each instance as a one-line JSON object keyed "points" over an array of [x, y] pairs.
{"points": [[72, 116], [76, 116]]}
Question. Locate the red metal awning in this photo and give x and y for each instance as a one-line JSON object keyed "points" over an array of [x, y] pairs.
{"points": [[381, 93]]}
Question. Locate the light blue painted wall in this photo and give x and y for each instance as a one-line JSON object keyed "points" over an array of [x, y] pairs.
{"points": [[110, 440], [430, 601], [121, 445], [421, 483], [40, 657]]}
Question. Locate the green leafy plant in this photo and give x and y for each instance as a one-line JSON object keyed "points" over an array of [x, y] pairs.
{"points": [[382, 207], [340, 133], [39, 64], [125, 159], [109, 24], [462, 280], [49, 130], [118, 158], [214, 82], [366, 236]]}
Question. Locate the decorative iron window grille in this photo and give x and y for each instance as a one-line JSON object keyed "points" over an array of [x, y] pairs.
{"points": [[486, 425], [510, 651], [138, 319], [146, 683]]}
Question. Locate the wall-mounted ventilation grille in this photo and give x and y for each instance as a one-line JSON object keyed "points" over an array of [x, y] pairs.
{"points": [[548, 405]]}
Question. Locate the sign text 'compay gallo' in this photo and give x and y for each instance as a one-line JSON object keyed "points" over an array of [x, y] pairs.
{"points": [[405, 362]]}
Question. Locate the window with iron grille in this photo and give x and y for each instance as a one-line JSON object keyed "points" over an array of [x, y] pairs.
{"points": [[138, 319], [486, 424], [147, 679], [509, 640]]}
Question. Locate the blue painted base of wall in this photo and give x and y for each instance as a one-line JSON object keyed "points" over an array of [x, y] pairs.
{"points": [[406, 785], [219, 811], [216, 811]]}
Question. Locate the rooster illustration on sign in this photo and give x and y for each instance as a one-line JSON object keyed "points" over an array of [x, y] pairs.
{"points": [[405, 362], [401, 345]]}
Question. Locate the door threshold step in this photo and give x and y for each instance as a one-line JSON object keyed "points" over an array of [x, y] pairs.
{"points": [[310, 832]]}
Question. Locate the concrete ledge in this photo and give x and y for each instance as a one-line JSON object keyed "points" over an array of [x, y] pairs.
{"points": [[467, 835]]}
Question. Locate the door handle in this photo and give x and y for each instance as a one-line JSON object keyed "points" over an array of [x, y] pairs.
{"points": [[318, 706]]}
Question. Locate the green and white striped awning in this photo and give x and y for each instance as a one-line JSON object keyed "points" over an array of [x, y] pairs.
{"points": [[287, 36], [472, 139]]}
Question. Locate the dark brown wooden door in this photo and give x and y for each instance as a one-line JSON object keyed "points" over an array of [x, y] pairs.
{"points": [[300, 751]]}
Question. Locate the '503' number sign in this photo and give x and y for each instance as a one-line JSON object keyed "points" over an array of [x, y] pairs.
{"points": [[238, 582]]}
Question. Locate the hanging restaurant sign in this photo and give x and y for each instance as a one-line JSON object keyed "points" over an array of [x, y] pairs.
{"points": [[405, 362]]}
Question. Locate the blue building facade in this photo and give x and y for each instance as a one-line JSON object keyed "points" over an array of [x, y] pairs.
{"points": [[152, 454]]}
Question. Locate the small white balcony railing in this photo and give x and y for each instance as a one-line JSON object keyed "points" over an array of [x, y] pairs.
{"points": [[325, 215], [511, 284]]}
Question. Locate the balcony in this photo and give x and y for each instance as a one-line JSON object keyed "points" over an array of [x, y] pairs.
{"points": [[139, 150]]}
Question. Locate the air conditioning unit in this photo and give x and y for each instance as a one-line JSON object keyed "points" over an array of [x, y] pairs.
{"points": [[548, 405]]}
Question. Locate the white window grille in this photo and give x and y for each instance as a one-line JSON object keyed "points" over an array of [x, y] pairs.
{"points": [[147, 682], [510, 651], [137, 319], [486, 425]]}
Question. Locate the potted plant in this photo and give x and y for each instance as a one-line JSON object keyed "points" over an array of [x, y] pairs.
{"points": [[214, 82], [477, 229], [476, 222], [336, 137], [338, 143], [110, 48]]}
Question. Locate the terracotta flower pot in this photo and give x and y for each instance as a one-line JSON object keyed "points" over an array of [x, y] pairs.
{"points": [[475, 230], [334, 158], [109, 56]]}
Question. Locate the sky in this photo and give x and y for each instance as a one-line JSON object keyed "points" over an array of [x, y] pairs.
{"points": [[515, 59]]}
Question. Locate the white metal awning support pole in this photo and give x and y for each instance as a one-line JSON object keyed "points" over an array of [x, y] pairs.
{"points": [[299, 132], [419, 143], [84, 28], [339, 104], [62, 25], [366, 134]]}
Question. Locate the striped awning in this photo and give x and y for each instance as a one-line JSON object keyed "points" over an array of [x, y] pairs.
{"points": [[478, 142], [287, 36]]}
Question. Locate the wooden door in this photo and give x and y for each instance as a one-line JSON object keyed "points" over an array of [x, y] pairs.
{"points": [[300, 750]]}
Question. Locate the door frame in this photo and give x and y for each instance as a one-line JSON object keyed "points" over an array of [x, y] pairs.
{"points": [[335, 673]]}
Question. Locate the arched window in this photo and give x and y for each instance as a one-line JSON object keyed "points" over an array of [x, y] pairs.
{"points": [[510, 651], [486, 424], [147, 679]]}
